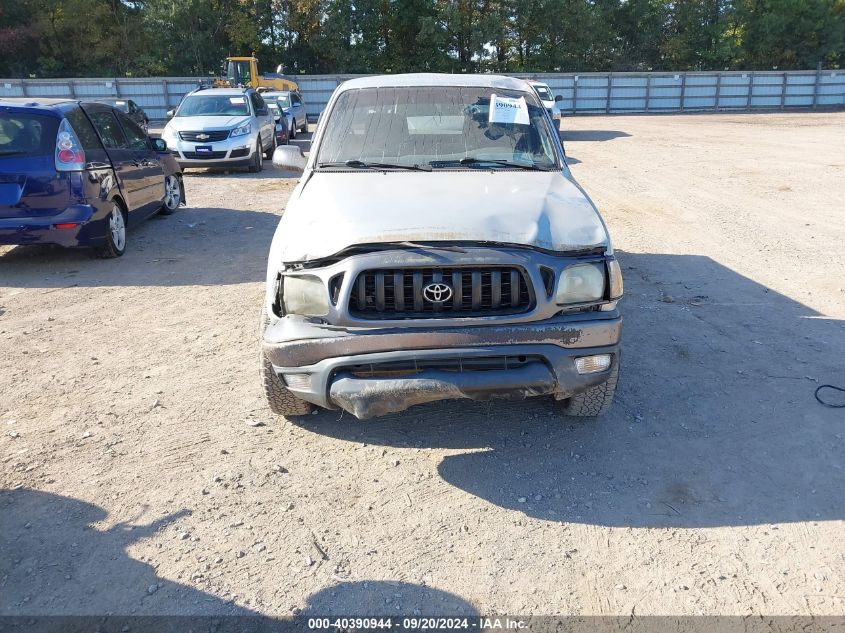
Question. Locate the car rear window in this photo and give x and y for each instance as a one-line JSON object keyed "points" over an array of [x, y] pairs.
{"points": [[26, 134]]}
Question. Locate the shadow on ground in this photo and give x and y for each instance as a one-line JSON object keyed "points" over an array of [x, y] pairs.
{"points": [[194, 246], [591, 135], [367, 598], [714, 423], [56, 561]]}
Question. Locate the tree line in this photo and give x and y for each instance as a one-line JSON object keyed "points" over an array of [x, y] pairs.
{"points": [[79, 38]]}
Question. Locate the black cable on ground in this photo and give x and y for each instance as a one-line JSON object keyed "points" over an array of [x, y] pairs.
{"points": [[828, 404]]}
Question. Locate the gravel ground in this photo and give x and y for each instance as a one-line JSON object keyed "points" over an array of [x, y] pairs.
{"points": [[142, 472]]}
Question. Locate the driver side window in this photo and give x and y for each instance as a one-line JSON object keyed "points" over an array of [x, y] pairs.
{"points": [[134, 134]]}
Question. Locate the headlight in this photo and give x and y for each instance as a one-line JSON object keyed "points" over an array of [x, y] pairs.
{"points": [[581, 283], [241, 131], [168, 133], [305, 295]]}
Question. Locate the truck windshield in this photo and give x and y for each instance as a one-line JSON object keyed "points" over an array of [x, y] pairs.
{"points": [[213, 105], [238, 73], [441, 126]]}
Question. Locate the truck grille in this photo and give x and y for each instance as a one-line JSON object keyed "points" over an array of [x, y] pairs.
{"points": [[401, 293], [212, 136]]}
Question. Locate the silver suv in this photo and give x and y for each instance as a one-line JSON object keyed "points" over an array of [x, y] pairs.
{"points": [[437, 246], [221, 127]]}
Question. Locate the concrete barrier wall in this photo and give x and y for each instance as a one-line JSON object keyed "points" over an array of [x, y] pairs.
{"points": [[584, 93]]}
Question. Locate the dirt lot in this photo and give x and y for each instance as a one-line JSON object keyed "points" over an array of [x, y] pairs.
{"points": [[133, 482]]}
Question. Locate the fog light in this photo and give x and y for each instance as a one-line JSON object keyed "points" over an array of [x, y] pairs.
{"points": [[298, 381], [592, 364]]}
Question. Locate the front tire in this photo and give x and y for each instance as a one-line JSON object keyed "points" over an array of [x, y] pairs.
{"points": [[292, 132], [115, 245], [172, 194], [280, 400], [257, 158], [595, 401]]}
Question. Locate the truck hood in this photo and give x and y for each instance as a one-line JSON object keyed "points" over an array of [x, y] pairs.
{"points": [[331, 211]]}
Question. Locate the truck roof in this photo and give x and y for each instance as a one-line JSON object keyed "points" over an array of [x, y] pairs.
{"points": [[436, 79]]}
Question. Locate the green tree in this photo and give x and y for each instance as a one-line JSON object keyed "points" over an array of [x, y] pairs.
{"points": [[791, 33], [640, 28]]}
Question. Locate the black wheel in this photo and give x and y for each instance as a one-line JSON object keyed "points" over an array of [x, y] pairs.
{"points": [[596, 400], [269, 154], [279, 399], [115, 244], [292, 133], [172, 194], [257, 159]]}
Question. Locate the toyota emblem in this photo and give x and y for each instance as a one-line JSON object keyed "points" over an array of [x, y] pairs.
{"points": [[437, 292]]}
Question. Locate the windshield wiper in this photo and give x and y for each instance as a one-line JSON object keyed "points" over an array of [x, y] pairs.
{"points": [[360, 164], [479, 161]]}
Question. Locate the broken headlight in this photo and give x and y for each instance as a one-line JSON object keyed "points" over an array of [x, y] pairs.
{"points": [[306, 295], [581, 283]]}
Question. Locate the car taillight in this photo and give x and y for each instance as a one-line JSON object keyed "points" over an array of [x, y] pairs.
{"points": [[69, 153]]}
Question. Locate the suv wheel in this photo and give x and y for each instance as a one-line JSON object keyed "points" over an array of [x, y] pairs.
{"points": [[292, 134], [279, 399], [596, 400], [172, 194], [115, 244], [257, 158]]}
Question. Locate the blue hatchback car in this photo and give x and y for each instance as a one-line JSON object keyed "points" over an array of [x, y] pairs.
{"points": [[78, 174]]}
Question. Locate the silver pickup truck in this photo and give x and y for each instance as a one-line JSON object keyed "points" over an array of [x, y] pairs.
{"points": [[437, 247]]}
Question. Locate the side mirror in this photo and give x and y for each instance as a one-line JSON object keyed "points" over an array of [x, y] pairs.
{"points": [[289, 158], [278, 118], [558, 97], [170, 114], [159, 144]]}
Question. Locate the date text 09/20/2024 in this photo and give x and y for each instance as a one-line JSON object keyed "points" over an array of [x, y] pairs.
{"points": [[417, 623]]}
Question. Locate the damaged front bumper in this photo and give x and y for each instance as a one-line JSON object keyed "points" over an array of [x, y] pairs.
{"points": [[374, 371]]}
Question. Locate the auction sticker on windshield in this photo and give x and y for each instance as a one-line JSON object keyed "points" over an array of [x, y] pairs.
{"points": [[236, 100], [508, 110]]}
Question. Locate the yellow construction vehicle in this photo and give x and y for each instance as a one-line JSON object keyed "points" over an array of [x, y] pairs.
{"points": [[243, 71]]}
